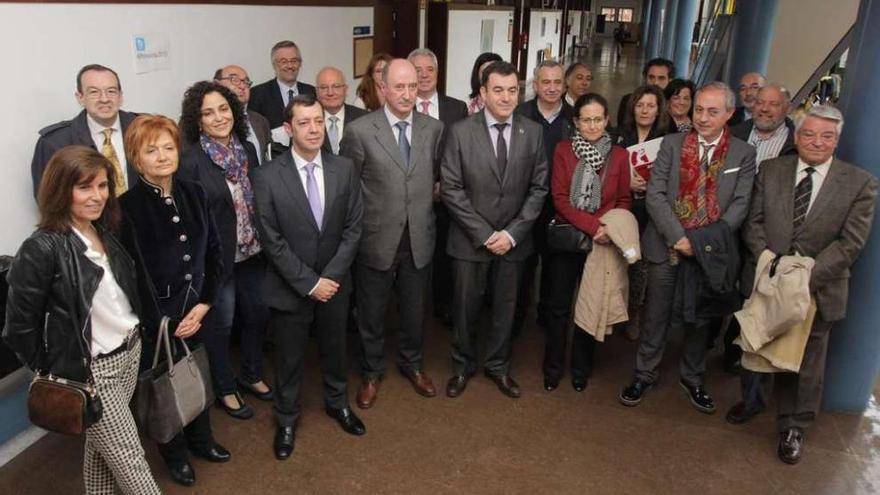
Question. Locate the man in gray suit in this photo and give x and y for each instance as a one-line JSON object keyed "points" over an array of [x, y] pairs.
{"points": [[699, 178], [494, 181], [821, 207], [309, 209], [395, 151], [259, 134]]}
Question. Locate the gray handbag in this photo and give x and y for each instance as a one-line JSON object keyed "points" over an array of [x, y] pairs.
{"points": [[172, 394]]}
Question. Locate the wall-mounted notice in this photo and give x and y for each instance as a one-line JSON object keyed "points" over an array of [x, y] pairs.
{"points": [[152, 52]]}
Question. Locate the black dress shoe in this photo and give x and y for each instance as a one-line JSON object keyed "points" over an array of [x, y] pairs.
{"points": [[249, 388], [217, 453], [243, 411], [283, 444], [791, 445], [183, 474], [550, 384], [506, 385], [740, 414], [579, 384], [456, 385], [633, 394], [700, 399], [347, 420]]}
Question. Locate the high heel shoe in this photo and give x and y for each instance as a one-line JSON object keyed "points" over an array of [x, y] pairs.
{"points": [[243, 411]]}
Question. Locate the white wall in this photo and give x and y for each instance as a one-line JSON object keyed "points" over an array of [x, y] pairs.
{"points": [[46, 44], [538, 42], [464, 46], [804, 33]]}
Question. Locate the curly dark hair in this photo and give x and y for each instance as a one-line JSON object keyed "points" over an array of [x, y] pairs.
{"points": [[191, 111]]}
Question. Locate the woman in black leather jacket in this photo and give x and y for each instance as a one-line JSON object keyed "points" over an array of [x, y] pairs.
{"points": [[168, 229], [72, 310]]}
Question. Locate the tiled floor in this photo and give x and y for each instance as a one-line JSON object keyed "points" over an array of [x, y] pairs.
{"points": [[561, 442]]}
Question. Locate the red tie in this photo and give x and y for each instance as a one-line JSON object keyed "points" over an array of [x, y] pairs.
{"points": [[425, 105]]}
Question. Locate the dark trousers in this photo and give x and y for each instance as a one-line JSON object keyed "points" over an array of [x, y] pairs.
{"points": [[799, 395], [471, 280], [441, 270], [291, 333], [196, 435], [373, 291], [565, 270], [659, 312], [543, 256]]}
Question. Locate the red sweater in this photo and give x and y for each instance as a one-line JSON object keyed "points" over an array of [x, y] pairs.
{"points": [[615, 187]]}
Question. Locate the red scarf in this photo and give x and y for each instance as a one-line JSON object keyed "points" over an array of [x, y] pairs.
{"points": [[686, 203]]}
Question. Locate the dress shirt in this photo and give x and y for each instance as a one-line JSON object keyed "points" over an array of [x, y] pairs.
{"points": [[339, 124], [821, 171], [713, 143], [433, 105], [112, 317], [301, 163], [116, 139], [252, 137], [769, 147], [493, 134], [393, 120], [284, 89], [569, 99], [555, 113]]}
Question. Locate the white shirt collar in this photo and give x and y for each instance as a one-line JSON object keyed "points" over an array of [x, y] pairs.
{"points": [[821, 169], [714, 142], [340, 115], [394, 119], [95, 128], [285, 87], [491, 120], [302, 162], [435, 101]]}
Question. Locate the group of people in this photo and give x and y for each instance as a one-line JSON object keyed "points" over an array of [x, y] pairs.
{"points": [[282, 207]]}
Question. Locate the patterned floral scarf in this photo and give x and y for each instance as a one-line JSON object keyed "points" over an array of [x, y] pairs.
{"points": [[586, 184], [233, 161], [690, 177]]}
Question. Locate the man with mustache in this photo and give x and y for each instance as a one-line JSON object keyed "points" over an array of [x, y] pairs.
{"points": [[749, 85], [769, 130]]}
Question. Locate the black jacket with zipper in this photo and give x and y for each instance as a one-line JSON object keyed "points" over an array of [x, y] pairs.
{"points": [[48, 309]]}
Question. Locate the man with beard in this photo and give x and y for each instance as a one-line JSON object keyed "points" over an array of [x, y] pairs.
{"points": [[769, 130]]}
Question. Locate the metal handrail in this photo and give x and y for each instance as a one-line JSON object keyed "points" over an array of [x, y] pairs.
{"points": [[823, 68]]}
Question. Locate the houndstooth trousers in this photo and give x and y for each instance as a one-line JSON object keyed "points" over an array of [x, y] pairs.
{"points": [[113, 453]]}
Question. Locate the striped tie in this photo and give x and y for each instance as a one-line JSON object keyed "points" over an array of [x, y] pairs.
{"points": [[702, 214], [109, 153], [802, 193]]}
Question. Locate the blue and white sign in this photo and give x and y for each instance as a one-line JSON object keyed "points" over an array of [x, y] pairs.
{"points": [[151, 52]]}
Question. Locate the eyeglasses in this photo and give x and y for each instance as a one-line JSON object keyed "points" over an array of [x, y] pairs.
{"points": [[288, 61], [594, 121], [334, 87], [237, 80], [753, 87], [96, 93]]}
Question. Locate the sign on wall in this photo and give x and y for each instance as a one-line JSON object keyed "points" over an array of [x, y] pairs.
{"points": [[152, 52]]}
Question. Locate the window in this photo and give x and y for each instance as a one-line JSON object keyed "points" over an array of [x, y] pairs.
{"points": [[625, 15], [615, 14], [610, 14]]}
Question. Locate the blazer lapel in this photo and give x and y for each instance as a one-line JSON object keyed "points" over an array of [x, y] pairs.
{"points": [[484, 134], [418, 144], [385, 137], [517, 141], [292, 180], [785, 193], [827, 192], [331, 186]]}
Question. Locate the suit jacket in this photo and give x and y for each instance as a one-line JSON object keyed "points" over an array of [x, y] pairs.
{"points": [[451, 110], [733, 189], [834, 232], [263, 131], [395, 196], [197, 166], [738, 117], [299, 253], [351, 113], [480, 200], [66, 133], [266, 99], [744, 129]]}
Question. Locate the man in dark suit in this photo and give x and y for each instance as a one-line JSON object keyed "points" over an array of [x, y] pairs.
{"points": [[395, 150], [332, 91], [749, 85], [494, 175], [101, 125], [657, 72], [309, 209], [556, 117], [272, 97], [449, 111], [821, 207], [259, 132], [699, 179]]}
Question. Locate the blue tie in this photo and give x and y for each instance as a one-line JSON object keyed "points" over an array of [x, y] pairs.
{"points": [[402, 142]]}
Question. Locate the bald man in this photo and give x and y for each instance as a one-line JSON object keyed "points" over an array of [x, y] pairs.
{"points": [[236, 79], [332, 91]]}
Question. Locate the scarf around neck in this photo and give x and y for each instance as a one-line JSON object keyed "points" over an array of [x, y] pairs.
{"points": [[586, 183], [689, 180]]}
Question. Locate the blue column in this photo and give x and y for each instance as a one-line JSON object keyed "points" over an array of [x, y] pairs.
{"points": [[646, 25], [684, 35], [669, 29], [652, 47], [752, 37], [854, 352]]}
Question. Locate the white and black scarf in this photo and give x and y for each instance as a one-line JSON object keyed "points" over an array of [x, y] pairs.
{"points": [[586, 184]]}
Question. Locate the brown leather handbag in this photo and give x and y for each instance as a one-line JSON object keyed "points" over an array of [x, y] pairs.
{"points": [[63, 406]]}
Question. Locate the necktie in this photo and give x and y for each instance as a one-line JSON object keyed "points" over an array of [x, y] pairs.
{"points": [[290, 96], [701, 215], [802, 193], [426, 104], [110, 154], [501, 149], [402, 141], [313, 194], [333, 134]]}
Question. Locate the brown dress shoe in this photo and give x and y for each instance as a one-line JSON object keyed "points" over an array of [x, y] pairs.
{"points": [[456, 385], [420, 381], [366, 395], [506, 385]]}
